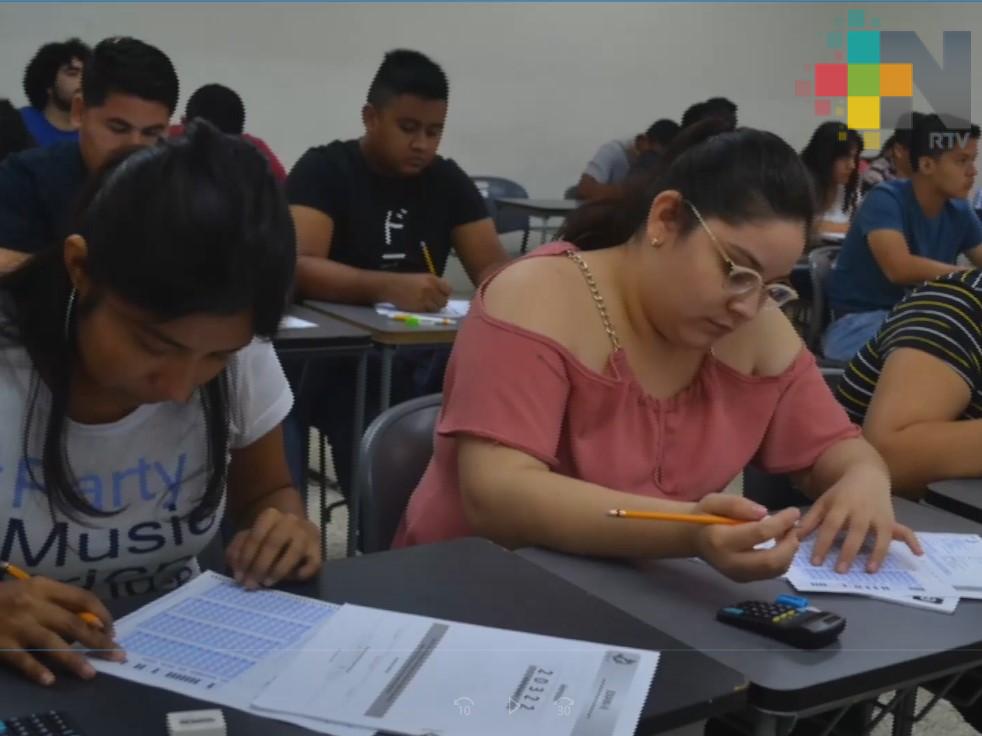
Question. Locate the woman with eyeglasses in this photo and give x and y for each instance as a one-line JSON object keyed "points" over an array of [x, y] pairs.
{"points": [[642, 365]]}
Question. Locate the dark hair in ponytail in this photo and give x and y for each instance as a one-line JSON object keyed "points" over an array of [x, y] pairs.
{"points": [[736, 176], [196, 224]]}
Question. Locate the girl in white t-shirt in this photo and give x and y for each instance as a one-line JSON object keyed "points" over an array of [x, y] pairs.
{"points": [[138, 404], [832, 158]]}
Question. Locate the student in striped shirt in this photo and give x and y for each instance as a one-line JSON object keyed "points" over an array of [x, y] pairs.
{"points": [[916, 389], [932, 340]]}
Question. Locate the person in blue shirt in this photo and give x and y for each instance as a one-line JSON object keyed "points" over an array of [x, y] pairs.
{"points": [[52, 79], [129, 93], [906, 232]]}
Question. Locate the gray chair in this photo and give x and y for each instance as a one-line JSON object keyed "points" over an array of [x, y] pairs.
{"points": [[505, 220], [394, 453], [820, 261], [212, 557], [777, 491]]}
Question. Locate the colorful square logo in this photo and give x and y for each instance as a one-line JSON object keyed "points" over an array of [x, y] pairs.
{"points": [[869, 77]]}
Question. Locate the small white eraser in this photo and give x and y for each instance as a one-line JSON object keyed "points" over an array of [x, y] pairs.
{"points": [[196, 723]]}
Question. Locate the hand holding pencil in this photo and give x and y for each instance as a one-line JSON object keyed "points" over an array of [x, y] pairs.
{"points": [[726, 529], [42, 618]]}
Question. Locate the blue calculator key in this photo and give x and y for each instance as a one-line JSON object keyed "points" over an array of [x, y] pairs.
{"points": [[794, 601], [734, 611]]}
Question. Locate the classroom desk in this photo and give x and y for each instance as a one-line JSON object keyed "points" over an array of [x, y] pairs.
{"points": [[962, 496], [329, 337], [884, 647], [387, 334], [466, 580], [543, 209]]}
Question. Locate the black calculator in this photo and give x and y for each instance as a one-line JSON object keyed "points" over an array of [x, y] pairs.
{"points": [[52, 723], [793, 621]]}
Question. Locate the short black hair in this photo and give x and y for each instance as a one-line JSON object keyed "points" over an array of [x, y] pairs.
{"points": [[714, 107], [220, 106], [693, 114], [931, 136], [14, 135], [903, 129], [662, 131], [131, 67], [42, 70], [405, 72]]}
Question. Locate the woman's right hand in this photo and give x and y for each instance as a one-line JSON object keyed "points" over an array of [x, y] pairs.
{"points": [[730, 549], [42, 614]]}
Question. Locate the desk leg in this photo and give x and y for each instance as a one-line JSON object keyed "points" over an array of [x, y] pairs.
{"points": [[385, 390], [354, 500], [305, 467], [771, 724], [903, 716]]}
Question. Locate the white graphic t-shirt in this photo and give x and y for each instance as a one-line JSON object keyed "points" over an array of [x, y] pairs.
{"points": [[150, 467]]}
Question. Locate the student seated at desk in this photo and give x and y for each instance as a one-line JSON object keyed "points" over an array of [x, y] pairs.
{"points": [[932, 340], [916, 389], [616, 160], [643, 365], [894, 159], [832, 158], [128, 94], [376, 219], [138, 404], [51, 80], [906, 232]]}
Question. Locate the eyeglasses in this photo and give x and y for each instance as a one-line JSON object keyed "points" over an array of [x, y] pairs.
{"points": [[740, 280]]}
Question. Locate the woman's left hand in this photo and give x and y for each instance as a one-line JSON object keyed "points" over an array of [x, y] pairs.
{"points": [[858, 505], [278, 546]]}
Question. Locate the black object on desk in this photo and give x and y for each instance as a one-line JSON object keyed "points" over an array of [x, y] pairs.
{"points": [[467, 580], [803, 627], [884, 647], [51, 723], [962, 496]]}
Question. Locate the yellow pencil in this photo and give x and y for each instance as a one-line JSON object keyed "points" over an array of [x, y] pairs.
{"points": [[664, 516], [11, 569], [429, 259]]}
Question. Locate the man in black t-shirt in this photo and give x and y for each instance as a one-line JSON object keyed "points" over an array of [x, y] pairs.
{"points": [[365, 211], [129, 92]]}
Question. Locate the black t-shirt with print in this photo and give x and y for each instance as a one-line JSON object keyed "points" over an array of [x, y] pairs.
{"points": [[381, 222]]}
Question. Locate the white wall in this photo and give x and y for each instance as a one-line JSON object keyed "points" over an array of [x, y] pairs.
{"points": [[535, 88]]}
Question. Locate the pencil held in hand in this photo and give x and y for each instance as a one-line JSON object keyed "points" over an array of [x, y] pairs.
{"points": [[13, 571], [664, 516], [430, 266]]}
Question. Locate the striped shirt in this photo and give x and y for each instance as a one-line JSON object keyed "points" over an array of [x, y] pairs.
{"points": [[942, 318]]}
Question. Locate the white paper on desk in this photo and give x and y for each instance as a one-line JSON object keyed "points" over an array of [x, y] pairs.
{"points": [[413, 674], [946, 604], [211, 639], [902, 573], [455, 309], [289, 322], [959, 557]]}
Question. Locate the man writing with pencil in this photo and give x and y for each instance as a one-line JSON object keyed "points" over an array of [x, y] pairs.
{"points": [[376, 219]]}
